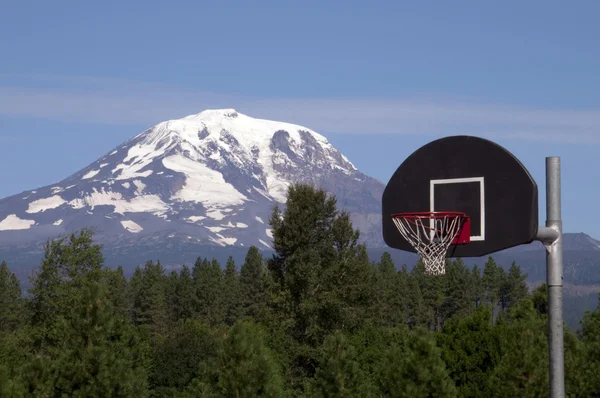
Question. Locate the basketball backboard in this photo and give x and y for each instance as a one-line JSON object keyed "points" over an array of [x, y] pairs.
{"points": [[471, 175]]}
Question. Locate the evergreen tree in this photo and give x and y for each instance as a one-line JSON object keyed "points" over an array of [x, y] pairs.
{"points": [[523, 351], [171, 290], [180, 355], [252, 284], [339, 373], [69, 265], [415, 370], [477, 286], [539, 298], [586, 375], [514, 288], [418, 314], [433, 290], [390, 289], [10, 300], [459, 290], [322, 277], [208, 283], [116, 287], [493, 282], [245, 367], [471, 351], [232, 293], [98, 355], [11, 386], [150, 305], [184, 301]]}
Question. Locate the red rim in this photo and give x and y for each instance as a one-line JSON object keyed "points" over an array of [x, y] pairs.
{"points": [[463, 236], [412, 216]]}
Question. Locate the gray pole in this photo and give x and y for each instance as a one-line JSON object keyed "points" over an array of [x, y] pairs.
{"points": [[551, 236]]}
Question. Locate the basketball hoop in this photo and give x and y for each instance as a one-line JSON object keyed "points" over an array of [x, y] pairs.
{"points": [[431, 233]]}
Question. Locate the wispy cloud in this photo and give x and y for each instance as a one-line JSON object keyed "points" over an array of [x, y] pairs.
{"points": [[118, 102]]}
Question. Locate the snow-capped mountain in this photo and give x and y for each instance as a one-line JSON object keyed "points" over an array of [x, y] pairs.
{"points": [[212, 178]]}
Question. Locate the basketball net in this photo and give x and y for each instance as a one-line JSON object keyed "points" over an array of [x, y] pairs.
{"points": [[430, 234]]}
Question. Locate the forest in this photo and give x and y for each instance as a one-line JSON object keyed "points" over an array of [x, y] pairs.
{"points": [[316, 319]]}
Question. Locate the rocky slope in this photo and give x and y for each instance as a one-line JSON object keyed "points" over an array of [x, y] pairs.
{"points": [[211, 178]]}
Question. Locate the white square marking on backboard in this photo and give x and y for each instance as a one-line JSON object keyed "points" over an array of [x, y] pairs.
{"points": [[481, 199]]}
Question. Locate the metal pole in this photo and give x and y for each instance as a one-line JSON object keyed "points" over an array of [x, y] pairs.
{"points": [[554, 276]]}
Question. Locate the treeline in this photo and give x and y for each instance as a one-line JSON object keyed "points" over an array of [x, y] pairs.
{"points": [[317, 319]]}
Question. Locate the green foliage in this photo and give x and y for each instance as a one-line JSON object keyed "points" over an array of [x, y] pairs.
{"points": [[232, 294], [390, 301], [477, 287], [587, 363], [460, 291], [69, 265], [179, 355], [339, 373], [208, 283], [318, 318], [183, 301], [514, 288], [244, 367], [322, 278], [493, 279], [149, 296], [471, 351], [539, 298], [523, 351], [415, 369], [11, 304], [116, 288], [253, 293], [99, 355]]}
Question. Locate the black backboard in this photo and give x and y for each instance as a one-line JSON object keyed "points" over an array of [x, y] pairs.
{"points": [[471, 175]]}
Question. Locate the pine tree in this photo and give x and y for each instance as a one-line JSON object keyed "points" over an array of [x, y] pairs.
{"points": [[470, 351], [171, 289], [415, 370], [322, 278], [116, 285], [150, 306], [390, 290], [459, 289], [433, 292], [514, 288], [69, 265], [587, 372], [418, 314], [179, 356], [208, 283], [184, 302], [477, 287], [539, 298], [97, 356], [231, 293], [245, 367], [493, 280], [10, 300], [339, 373], [252, 284], [522, 370]]}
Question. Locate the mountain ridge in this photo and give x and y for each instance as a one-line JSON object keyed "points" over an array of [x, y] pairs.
{"points": [[212, 177]]}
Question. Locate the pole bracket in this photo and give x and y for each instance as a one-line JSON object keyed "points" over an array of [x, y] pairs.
{"points": [[548, 236]]}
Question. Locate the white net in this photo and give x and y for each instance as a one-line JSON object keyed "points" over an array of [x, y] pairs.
{"points": [[430, 234]]}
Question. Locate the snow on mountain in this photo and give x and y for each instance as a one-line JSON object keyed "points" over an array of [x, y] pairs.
{"points": [[211, 177]]}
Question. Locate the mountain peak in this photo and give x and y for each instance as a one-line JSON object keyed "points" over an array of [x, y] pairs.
{"points": [[212, 176], [214, 114]]}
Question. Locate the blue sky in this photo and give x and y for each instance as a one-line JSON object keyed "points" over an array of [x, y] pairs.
{"points": [[379, 79]]}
